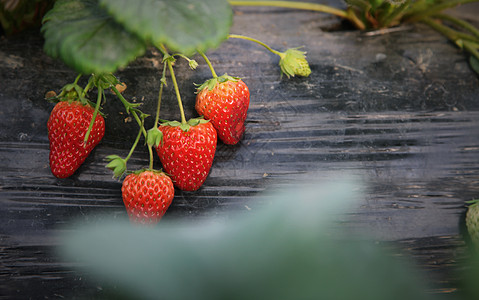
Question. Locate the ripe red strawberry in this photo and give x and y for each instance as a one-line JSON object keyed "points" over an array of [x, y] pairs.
{"points": [[187, 152], [147, 194], [224, 101], [67, 126]]}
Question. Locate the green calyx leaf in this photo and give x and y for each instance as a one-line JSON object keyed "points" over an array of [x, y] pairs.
{"points": [[117, 165], [182, 25], [211, 83], [105, 81], [186, 126], [473, 202], [193, 64], [171, 123], [293, 62], [154, 137], [197, 121], [87, 38]]}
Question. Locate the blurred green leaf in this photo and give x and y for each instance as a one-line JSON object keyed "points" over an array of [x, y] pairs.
{"points": [[182, 25], [474, 62], [289, 249], [87, 39]]}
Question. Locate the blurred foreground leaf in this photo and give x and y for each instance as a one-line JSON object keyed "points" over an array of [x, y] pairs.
{"points": [[290, 249], [183, 25], [87, 39]]}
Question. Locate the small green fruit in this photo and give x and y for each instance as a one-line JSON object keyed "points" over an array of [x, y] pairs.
{"points": [[293, 62]]}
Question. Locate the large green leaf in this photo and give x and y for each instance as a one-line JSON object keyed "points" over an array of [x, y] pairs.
{"points": [[292, 248], [182, 25], [87, 39]]}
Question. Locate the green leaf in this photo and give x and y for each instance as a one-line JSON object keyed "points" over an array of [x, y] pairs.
{"points": [[117, 165], [87, 39], [474, 62], [185, 127], [154, 137], [182, 25], [281, 251]]}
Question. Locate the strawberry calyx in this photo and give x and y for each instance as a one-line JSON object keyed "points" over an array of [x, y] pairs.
{"points": [[117, 165], [138, 172], [185, 126], [213, 82]]}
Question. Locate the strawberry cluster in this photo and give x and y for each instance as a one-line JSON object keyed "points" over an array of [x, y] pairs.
{"points": [[186, 149]]}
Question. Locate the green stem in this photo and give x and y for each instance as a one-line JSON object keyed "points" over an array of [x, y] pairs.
{"points": [[429, 10], [150, 151], [173, 78], [353, 18], [305, 6], [237, 36], [395, 14], [208, 63], [95, 113], [471, 49], [450, 33], [130, 108], [134, 144], [295, 5], [177, 91], [77, 79], [87, 87], [461, 23], [162, 84]]}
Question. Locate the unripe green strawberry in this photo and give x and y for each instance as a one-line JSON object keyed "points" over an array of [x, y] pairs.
{"points": [[67, 126], [187, 151], [293, 62], [147, 194], [472, 222], [224, 101]]}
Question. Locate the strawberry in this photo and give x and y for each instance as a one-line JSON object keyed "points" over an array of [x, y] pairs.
{"points": [[187, 152], [147, 194], [67, 126], [224, 101], [472, 221]]}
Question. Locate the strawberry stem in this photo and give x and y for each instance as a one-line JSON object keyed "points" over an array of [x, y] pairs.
{"points": [[77, 79], [150, 151], [208, 63], [349, 15], [95, 113], [87, 87], [168, 59], [136, 140], [237, 36], [162, 84], [177, 91], [130, 108]]}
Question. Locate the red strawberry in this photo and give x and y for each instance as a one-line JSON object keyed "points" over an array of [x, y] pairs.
{"points": [[187, 152], [224, 101], [67, 126], [147, 194]]}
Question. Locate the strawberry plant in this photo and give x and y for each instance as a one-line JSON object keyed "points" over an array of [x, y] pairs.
{"points": [[382, 15], [99, 36]]}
